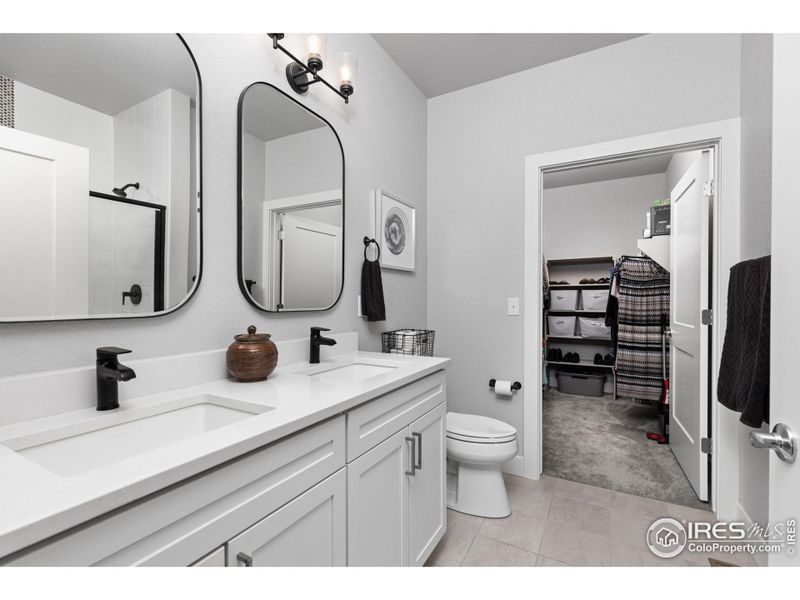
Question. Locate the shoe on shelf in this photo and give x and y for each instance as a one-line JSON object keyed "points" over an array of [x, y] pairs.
{"points": [[598, 359], [588, 281], [609, 360], [603, 280]]}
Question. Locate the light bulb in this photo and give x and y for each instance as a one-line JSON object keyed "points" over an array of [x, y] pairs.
{"points": [[315, 49], [348, 68]]}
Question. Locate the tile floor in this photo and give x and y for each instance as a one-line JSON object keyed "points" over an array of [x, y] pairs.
{"points": [[556, 522]]}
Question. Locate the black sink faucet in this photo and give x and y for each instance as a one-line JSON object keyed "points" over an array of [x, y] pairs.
{"points": [[316, 341], [109, 373]]}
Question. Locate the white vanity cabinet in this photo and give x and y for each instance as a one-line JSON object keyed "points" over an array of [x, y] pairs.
{"points": [[396, 490], [365, 487], [309, 531]]}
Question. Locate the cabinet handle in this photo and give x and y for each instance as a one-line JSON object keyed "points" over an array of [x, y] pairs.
{"points": [[419, 450], [413, 470], [245, 559]]}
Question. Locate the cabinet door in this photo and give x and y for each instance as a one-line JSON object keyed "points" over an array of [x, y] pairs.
{"points": [[427, 510], [308, 532], [377, 491], [212, 559]]}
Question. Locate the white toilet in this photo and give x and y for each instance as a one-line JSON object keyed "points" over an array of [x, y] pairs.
{"points": [[476, 448]]}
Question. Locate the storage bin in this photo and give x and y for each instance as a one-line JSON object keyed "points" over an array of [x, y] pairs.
{"points": [[418, 342], [660, 220], [594, 299], [561, 326], [563, 299], [584, 384], [591, 327]]}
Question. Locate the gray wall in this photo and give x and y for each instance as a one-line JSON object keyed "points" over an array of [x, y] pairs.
{"points": [[477, 141], [383, 131], [756, 190], [604, 218]]}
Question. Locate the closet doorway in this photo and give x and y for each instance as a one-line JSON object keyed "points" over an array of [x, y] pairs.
{"points": [[600, 368]]}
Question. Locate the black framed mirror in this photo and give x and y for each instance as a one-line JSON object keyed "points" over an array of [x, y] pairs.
{"points": [[291, 201], [101, 172]]}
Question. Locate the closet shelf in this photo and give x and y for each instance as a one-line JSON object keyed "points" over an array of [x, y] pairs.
{"points": [[592, 260], [583, 363], [581, 286], [578, 340], [576, 311]]}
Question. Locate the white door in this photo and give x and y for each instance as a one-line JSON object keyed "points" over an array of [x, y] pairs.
{"points": [[377, 506], [784, 407], [45, 208], [311, 263], [688, 297], [427, 489], [309, 531]]}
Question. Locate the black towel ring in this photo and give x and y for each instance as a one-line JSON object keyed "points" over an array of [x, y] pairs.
{"points": [[367, 242]]}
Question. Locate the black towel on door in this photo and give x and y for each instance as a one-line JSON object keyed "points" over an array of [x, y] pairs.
{"points": [[744, 370], [372, 304]]}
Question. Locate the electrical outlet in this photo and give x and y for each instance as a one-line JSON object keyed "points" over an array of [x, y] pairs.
{"points": [[513, 307]]}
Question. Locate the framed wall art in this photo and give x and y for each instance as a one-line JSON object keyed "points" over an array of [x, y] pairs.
{"points": [[395, 228]]}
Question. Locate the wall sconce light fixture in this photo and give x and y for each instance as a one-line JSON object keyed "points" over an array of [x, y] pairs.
{"points": [[302, 75]]}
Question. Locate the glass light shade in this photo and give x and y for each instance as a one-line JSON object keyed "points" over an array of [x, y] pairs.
{"points": [[315, 46], [348, 68]]}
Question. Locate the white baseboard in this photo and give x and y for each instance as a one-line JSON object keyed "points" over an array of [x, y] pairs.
{"points": [[514, 466], [759, 557]]}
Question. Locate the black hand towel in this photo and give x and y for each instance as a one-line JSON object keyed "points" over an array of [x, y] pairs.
{"points": [[744, 370], [372, 304]]}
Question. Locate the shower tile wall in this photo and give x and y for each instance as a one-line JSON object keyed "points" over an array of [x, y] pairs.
{"points": [[6, 102], [151, 146]]}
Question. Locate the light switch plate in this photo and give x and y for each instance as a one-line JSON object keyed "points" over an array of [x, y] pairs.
{"points": [[513, 307], [358, 307]]}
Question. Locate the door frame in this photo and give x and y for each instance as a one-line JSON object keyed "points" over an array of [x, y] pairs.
{"points": [[724, 136], [270, 247]]}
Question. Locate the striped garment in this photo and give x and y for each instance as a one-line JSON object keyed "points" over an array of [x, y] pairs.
{"points": [[643, 300]]}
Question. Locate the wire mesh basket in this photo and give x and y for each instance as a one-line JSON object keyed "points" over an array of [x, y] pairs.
{"points": [[417, 342]]}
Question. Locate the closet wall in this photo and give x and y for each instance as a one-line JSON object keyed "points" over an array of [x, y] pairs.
{"points": [[604, 218]]}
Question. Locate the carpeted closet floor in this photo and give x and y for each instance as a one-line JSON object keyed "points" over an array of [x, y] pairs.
{"points": [[602, 442]]}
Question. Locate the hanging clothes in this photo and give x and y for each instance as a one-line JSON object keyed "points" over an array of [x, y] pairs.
{"points": [[643, 300]]}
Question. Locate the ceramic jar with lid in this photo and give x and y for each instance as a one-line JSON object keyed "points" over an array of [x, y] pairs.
{"points": [[252, 357]]}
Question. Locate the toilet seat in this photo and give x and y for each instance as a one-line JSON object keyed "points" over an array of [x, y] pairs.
{"points": [[477, 429]]}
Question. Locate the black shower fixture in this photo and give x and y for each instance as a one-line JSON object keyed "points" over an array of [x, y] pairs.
{"points": [[121, 191]]}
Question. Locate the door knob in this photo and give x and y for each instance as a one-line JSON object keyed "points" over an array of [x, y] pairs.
{"points": [[782, 440]]}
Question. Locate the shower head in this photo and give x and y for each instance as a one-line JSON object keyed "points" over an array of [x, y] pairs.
{"points": [[121, 191]]}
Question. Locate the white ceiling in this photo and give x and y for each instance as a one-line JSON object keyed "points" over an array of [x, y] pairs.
{"points": [[439, 63], [102, 71], [634, 167], [269, 115]]}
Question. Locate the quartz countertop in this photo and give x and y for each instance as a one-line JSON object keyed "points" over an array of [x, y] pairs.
{"points": [[36, 504]]}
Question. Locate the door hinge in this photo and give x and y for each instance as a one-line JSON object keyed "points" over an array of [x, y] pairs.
{"points": [[705, 445], [707, 317], [708, 187], [282, 235]]}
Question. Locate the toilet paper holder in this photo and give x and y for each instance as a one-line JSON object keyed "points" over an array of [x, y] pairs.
{"points": [[514, 386]]}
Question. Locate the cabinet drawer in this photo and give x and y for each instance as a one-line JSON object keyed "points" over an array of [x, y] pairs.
{"points": [[184, 522], [369, 425]]}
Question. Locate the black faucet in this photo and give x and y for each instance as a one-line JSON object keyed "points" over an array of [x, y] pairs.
{"points": [[316, 341], [109, 373]]}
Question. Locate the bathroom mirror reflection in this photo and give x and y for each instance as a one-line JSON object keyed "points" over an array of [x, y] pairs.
{"points": [[100, 175], [291, 204]]}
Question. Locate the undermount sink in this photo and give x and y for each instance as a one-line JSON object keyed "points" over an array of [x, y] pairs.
{"points": [[352, 372], [107, 439]]}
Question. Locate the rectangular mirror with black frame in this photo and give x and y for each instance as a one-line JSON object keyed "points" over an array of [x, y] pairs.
{"points": [[100, 176], [291, 204]]}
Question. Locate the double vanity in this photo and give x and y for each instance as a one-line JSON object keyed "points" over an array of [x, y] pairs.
{"points": [[339, 463], [169, 461]]}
